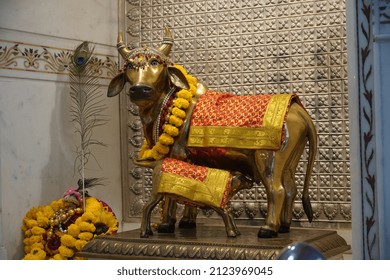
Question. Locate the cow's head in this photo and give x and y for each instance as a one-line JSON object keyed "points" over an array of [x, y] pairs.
{"points": [[149, 71]]}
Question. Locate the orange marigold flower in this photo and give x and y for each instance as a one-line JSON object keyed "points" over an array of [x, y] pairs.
{"points": [[86, 236], [30, 223], [58, 257], [35, 254], [89, 217], [166, 139], [175, 121], [79, 244], [178, 113], [73, 230], [38, 245], [37, 230], [84, 226], [68, 240], [181, 103], [185, 94], [171, 130], [65, 251]]}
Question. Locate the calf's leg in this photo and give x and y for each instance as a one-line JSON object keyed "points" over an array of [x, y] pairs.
{"points": [[231, 229], [168, 222], [146, 229]]}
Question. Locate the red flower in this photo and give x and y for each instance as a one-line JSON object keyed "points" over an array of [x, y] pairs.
{"points": [[54, 242]]}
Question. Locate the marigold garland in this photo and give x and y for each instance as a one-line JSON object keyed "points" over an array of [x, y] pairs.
{"points": [[175, 120], [47, 238]]}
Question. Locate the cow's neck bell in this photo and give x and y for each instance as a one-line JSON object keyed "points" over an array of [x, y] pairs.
{"points": [[164, 49]]}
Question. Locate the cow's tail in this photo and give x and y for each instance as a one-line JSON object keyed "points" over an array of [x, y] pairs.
{"points": [[312, 138]]}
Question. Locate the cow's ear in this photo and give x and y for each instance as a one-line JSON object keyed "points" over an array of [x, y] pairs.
{"points": [[116, 85], [178, 78]]}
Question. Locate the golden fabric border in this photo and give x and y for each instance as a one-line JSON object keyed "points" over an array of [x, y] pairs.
{"points": [[267, 136], [211, 192]]}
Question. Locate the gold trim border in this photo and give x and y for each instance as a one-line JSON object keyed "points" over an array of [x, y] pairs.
{"points": [[210, 192]]}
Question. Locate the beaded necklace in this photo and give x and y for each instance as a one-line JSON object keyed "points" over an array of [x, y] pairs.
{"points": [[164, 112]]}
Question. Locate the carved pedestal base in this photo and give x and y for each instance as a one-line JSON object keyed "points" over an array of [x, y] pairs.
{"points": [[210, 242]]}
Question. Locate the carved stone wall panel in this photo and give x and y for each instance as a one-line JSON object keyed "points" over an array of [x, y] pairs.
{"points": [[248, 47]]}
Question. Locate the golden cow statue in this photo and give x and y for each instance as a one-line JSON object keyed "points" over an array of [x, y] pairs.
{"points": [[260, 136]]}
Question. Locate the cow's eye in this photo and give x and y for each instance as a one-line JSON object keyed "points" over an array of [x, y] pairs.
{"points": [[130, 65], [154, 62]]}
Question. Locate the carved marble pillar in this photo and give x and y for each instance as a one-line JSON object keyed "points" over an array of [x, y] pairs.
{"points": [[368, 26]]}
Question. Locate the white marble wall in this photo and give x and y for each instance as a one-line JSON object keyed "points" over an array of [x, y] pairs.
{"points": [[36, 136]]}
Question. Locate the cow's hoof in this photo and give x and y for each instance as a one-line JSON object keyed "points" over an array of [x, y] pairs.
{"points": [[231, 234], [145, 234], [187, 224], [166, 228], [284, 229], [266, 233]]}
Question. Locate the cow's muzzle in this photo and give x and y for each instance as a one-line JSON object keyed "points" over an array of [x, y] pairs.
{"points": [[140, 93]]}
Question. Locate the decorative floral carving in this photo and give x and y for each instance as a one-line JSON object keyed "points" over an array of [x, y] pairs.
{"points": [[317, 210], [384, 12], [251, 209], [23, 56], [298, 211], [346, 211], [367, 137], [6, 55], [330, 211], [57, 61]]}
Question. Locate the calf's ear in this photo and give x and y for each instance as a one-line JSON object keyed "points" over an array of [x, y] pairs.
{"points": [[116, 85], [177, 78]]}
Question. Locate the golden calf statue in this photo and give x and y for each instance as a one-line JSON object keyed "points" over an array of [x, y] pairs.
{"points": [[259, 136]]}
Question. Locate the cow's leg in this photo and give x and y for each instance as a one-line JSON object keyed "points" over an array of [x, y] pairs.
{"points": [[146, 229], [291, 191], [189, 217], [168, 222], [270, 166], [275, 201], [229, 226], [290, 186]]}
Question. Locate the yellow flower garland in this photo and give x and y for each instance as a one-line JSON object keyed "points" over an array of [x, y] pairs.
{"points": [[175, 119], [42, 242]]}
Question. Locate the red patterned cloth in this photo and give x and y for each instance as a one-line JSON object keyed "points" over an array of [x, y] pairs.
{"points": [[184, 169], [247, 122], [226, 109]]}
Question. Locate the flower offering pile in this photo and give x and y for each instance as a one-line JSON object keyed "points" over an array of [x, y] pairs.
{"points": [[59, 230]]}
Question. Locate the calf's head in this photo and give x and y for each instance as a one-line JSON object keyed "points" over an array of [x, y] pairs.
{"points": [[149, 72], [239, 182]]}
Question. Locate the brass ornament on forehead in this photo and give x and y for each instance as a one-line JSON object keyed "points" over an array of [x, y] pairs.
{"points": [[140, 57]]}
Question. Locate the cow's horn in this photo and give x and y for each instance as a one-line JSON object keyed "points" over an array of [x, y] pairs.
{"points": [[166, 46], [122, 49]]}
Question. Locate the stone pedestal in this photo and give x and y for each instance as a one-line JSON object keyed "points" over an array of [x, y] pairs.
{"points": [[210, 242]]}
